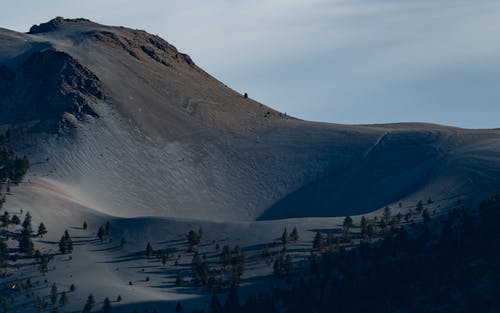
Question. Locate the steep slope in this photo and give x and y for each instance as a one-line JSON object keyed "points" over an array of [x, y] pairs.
{"points": [[132, 127]]}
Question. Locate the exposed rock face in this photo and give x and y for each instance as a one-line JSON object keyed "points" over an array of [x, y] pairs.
{"points": [[53, 24], [140, 44], [47, 86]]}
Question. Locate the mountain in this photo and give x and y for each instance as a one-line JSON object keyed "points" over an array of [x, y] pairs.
{"points": [[142, 130], [119, 125]]}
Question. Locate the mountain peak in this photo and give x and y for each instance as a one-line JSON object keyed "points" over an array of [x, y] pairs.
{"points": [[56, 23]]}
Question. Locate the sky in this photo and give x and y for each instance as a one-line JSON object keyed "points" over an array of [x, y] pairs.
{"points": [[352, 62]]}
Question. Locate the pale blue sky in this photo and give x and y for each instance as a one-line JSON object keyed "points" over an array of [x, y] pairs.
{"points": [[359, 61]]}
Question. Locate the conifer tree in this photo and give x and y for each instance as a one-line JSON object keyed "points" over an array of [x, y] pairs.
{"points": [[101, 233], [43, 265], [15, 220], [107, 229], [4, 253], [66, 244], [5, 219], [420, 206], [27, 223], [266, 253], [63, 300], [149, 250], [347, 224], [284, 237], [42, 230], [226, 256], [294, 236], [53, 294], [194, 238], [318, 241], [364, 228], [106, 306], [69, 242], [89, 305], [386, 215], [426, 216], [25, 244]]}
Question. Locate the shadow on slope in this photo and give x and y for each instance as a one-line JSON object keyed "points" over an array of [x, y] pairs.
{"points": [[398, 165]]}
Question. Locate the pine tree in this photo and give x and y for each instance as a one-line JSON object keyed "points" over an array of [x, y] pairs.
{"points": [[66, 244], [200, 233], [239, 260], [25, 244], [178, 307], [69, 242], [4, 253], [63, 300], [42, 230], [62, 245], [89, 305], [15, 220], [164, 258], [106, 306], [194, 238], [43, 265], [284, 237], [294, 236], [318, 241], [226, 256], [84, 225], [386, 216], [27, 223], [364, 227], [108, 228], [370, 231], [420, 206], [426, 216], [149, 250], [266, 253], [101, 233], [53, 294], [348, 223], [122, 243], [5, 219]]}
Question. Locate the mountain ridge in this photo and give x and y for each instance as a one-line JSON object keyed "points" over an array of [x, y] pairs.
{"points": [[144, 131]]}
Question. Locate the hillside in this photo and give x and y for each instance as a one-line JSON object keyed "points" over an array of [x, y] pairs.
{"points": [[121, 127], [143, 131]]}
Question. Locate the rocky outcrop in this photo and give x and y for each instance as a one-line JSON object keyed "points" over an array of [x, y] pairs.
{"points": [[49, 85], [142, 46], [54, 24]]}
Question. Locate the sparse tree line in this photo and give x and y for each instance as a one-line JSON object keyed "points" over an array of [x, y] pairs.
{"points": [[441, 265], [12, 167]]}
